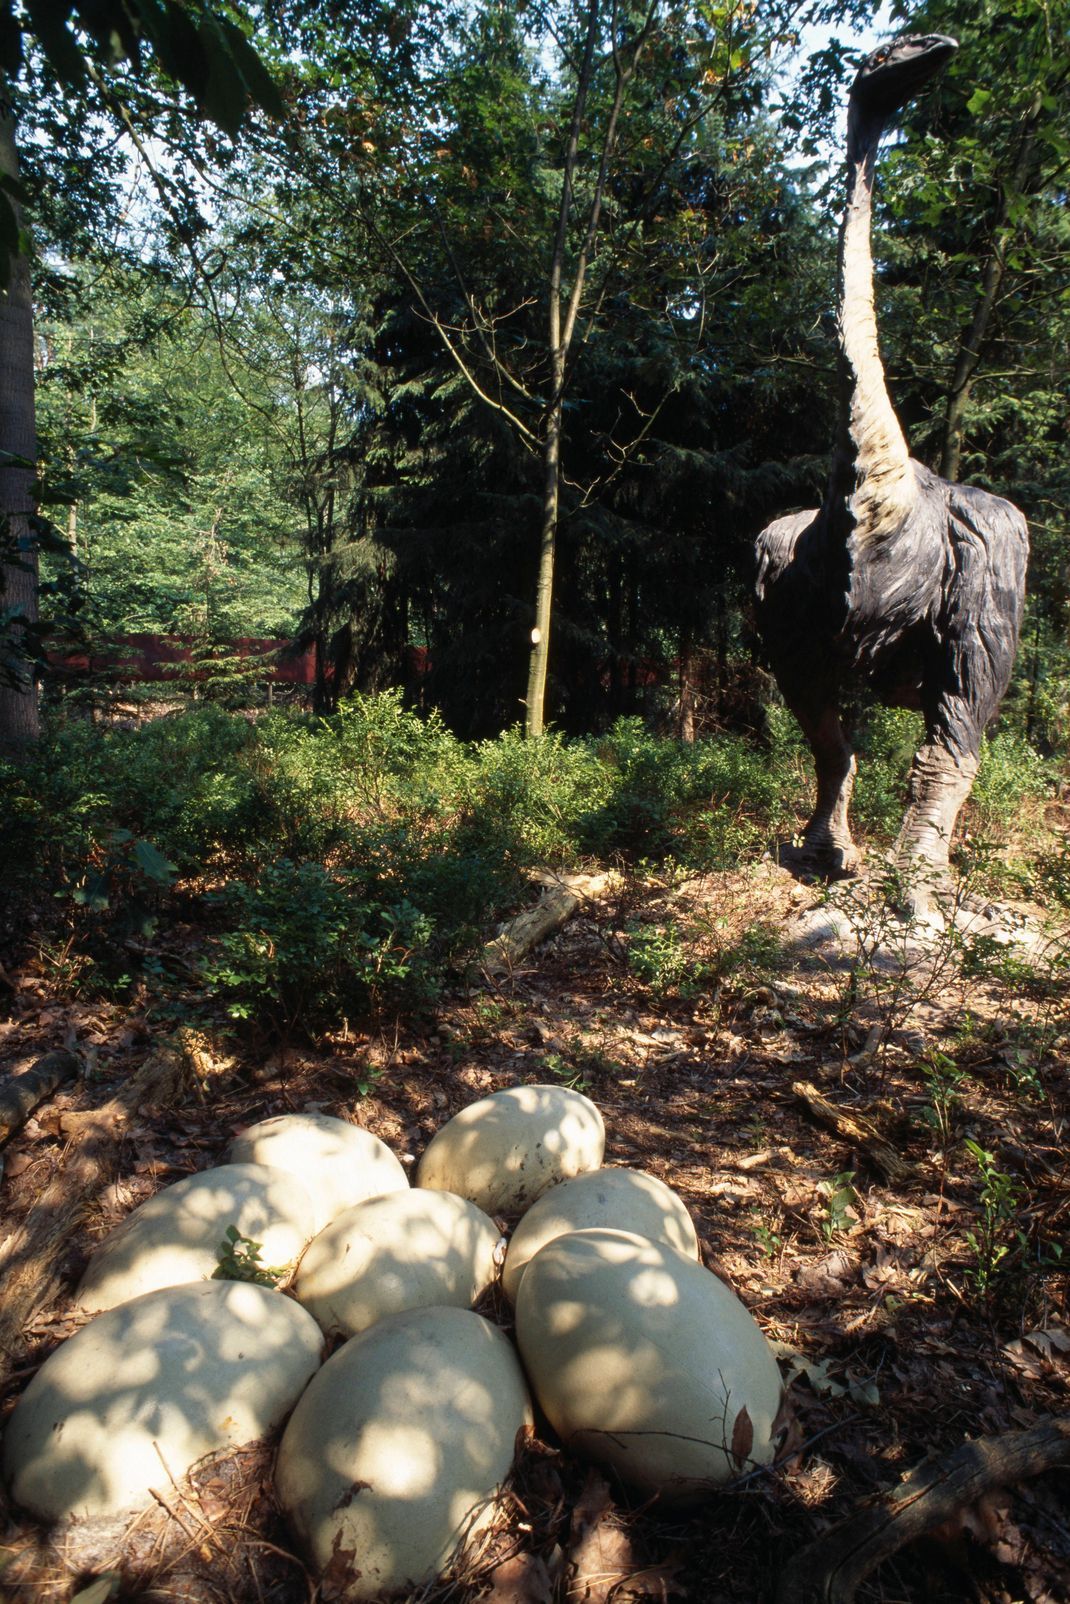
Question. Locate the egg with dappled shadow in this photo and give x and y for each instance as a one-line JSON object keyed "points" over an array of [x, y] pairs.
{"points": [[145, 1390], [394, 1456], [405, 1250], [626, 1200], [646, 1362], [338, 1164], [505, 1150], [180, 1234]]}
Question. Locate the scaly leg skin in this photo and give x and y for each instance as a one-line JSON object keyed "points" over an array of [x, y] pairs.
{"points": [[827, 845], [940, 782]]}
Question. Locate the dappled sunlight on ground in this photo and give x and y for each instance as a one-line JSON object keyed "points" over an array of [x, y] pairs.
{"points": [[907, 1316]]}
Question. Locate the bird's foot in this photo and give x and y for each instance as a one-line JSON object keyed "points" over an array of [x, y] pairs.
{"points": [[824, 860], [921, 893]]}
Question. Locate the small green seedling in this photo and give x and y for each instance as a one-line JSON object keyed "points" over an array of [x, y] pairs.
{"points": [[239, 1260], [839, 1198]]}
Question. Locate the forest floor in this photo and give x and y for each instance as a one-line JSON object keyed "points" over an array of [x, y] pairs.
{"points": [[909, 1314]]}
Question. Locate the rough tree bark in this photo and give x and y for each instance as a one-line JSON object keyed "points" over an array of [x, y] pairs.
{"points": [[21, 1094], [562, 895], [860, 1132]]}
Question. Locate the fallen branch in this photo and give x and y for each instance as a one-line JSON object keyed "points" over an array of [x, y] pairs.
{"points": [[860, 1132], [830, 1570], [32, 1258], [561, 897], [20, 1094]]}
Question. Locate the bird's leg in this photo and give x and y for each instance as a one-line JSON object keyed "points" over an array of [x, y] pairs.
{"points": [[827, 839], [940, 782]]}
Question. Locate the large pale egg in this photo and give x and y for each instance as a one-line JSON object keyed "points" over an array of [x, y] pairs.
{"points": [[644, 1361], [142, 1392], [405, 1250], [395, 1454], [505, 1150], [338, 1164], [626, 1200], [180, 1234]]}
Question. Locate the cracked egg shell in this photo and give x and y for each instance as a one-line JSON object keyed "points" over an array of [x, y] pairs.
{"points": [[505, 1150], [646, 1362], [160, 1381], [627, 1200], [395, 1454]]}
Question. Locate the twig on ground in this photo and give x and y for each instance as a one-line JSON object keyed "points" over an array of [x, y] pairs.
{"points": [[830, 1570]]}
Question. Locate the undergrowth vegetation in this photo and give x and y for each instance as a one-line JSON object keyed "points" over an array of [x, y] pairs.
{"points": [[342, 866]]}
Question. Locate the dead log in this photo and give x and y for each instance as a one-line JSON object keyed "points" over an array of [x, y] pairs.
{"points": [[561, 897], [860, 1132], [830, 1570], [20, 1094], [32, 1258]]}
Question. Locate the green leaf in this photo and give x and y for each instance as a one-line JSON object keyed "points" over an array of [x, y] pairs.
{"points": [[151, 861], [173, 35], [222, 95]]}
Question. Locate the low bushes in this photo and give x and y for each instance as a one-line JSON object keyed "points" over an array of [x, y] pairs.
{"points": [[304, 948], [348, 862]]}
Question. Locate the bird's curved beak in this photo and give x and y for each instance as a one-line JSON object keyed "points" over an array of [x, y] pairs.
{"points": [[895, 73]]}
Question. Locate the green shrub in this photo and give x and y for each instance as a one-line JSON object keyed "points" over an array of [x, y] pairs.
{"points": [[303, 949], [684, 959], [119, 893], [754, 957], [708, 804], [531, 799], [367, 851], [1011, 774], [887, 741], [659, 957], [1053, 872], [180, 782]]}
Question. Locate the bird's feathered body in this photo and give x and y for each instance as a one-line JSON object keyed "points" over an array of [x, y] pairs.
{"points": [[937, 606]]}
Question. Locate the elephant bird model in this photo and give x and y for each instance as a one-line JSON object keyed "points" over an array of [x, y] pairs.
{"points": [[913, 583]]}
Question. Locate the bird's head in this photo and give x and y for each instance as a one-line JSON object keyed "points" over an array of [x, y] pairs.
{"points": [[894, 74]]}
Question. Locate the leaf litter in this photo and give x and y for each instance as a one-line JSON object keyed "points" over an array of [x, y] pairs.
{"points": [[894, 1343]]}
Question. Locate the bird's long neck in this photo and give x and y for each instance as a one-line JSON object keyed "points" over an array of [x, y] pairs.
{"points": [[871, 484]]}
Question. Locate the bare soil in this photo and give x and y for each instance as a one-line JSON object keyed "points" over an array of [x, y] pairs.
{"points": [[909, 1317]]}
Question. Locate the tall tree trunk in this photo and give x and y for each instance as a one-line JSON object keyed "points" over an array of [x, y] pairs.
{"points": [[722, 654], [19, 716], [563, 317], [688, 697], [544, 590]]}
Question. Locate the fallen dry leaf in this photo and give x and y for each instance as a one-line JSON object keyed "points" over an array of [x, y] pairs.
{"points": [[523, 1579], [742, 1438], [830, 1277], [600, 1555]]}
